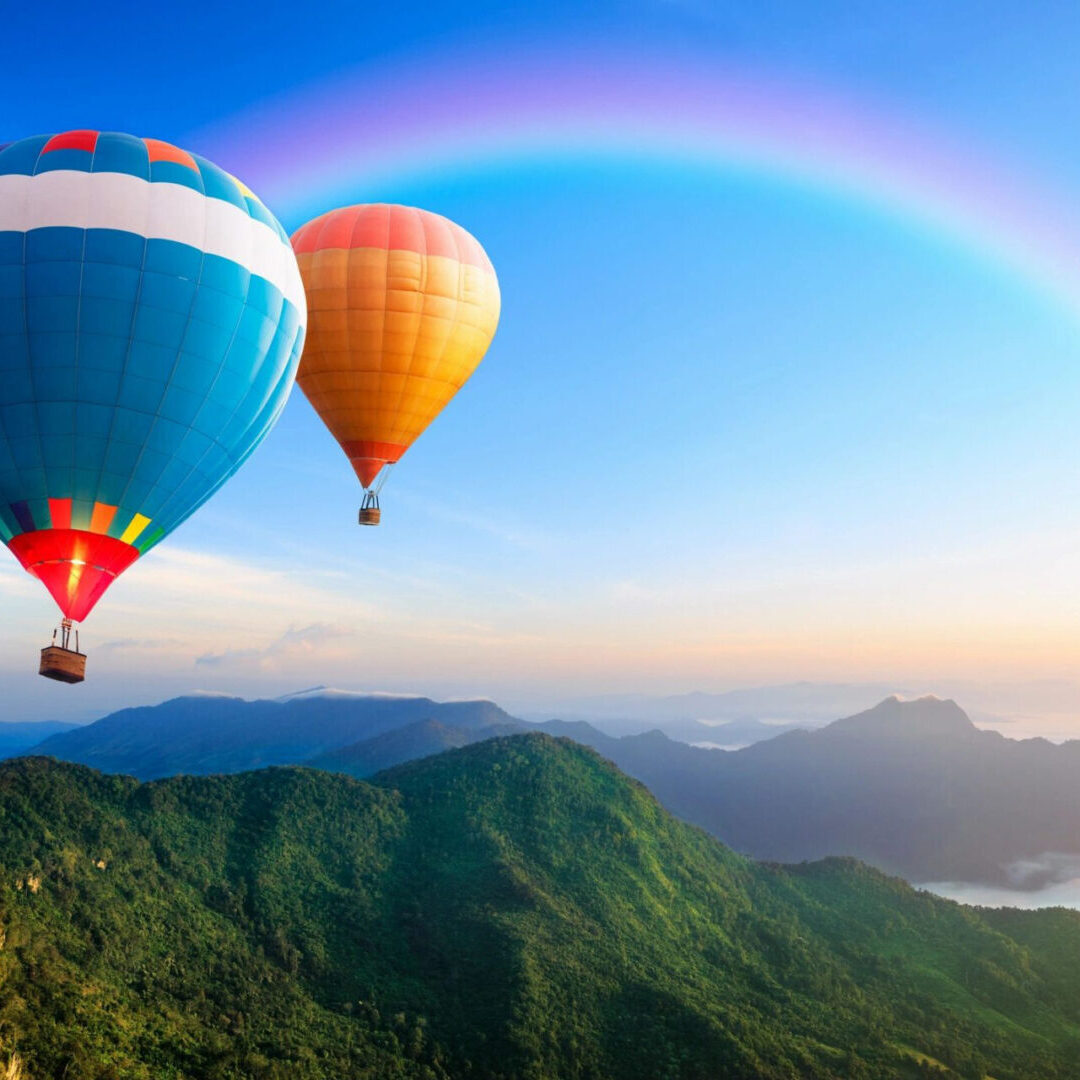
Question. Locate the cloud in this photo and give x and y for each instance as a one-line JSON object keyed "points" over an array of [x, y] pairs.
{"points": [[180, 578], [295, 642], [129, 644], [1049, 868], [16, 582], [1062, 894], [1051, 879]]}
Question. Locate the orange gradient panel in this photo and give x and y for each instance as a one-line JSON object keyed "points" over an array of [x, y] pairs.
{"points": [[402, 306], [157, 150], [102, 518]]}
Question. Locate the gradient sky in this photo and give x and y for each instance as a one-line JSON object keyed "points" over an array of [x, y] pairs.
{"points": [[755, 412]]}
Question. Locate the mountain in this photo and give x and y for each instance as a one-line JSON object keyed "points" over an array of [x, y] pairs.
{"points": [[514, 909], [205, 734], [912, 787], [16, 737], [418, 740]]}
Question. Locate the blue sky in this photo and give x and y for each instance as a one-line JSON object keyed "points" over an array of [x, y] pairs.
{"points": [[735, 427]]}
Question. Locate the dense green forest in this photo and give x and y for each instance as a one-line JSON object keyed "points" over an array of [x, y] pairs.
{"points": [[514, 909]]}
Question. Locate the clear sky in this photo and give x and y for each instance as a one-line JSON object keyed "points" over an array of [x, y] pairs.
{"points": [[787, 379]]}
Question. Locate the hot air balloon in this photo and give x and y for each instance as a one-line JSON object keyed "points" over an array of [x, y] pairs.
{"points": [[151, 322], [403, 305]]}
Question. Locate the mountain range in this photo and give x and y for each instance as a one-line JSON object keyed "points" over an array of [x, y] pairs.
{"points": [[912, 787], [211, 733], [514, 910]]}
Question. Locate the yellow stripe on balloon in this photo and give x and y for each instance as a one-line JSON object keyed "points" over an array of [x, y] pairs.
{"points": [[131, 533]]}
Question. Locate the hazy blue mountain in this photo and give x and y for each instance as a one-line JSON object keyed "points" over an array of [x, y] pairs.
{"points": [[16, 737], [913, 787], [205, 734]]}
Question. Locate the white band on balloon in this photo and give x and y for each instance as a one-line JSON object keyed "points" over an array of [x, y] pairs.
{"points": [[68, 198]]}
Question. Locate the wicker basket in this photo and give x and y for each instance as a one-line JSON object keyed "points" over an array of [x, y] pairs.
{"points": [[370, 515], [64, 665]]}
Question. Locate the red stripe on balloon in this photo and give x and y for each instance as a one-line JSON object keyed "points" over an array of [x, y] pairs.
{"points": [[72, 140], [60, 513]]}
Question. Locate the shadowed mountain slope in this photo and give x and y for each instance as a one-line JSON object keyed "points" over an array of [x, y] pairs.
{"points": [[408, 743]]}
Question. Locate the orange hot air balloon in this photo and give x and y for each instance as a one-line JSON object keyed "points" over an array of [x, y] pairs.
{"points": [[402, 306]]}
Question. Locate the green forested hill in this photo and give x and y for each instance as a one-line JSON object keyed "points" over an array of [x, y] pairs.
{"points": [[517, 908]]}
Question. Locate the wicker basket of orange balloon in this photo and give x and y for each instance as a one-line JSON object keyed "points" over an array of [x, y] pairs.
{"points": [[370, 514]]}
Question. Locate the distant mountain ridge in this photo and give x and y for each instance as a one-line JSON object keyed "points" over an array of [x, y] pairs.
{"points": [[912, 787], [218, 734], [788, 705], [513, 910], [16, 737]]}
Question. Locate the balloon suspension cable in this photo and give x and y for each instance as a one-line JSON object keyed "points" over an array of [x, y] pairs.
{"points": [[376, 487], [65, 629]]}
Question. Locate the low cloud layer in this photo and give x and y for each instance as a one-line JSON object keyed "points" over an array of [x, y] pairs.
{"points": [[1051, 879], [1065, 894], [1045, 870], [296, 641]]}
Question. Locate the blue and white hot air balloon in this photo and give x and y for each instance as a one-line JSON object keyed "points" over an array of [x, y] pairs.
{"points": [[152, 317]]}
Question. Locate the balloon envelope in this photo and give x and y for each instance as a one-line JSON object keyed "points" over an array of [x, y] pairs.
{"points": [[151, 321], [403, 305]]}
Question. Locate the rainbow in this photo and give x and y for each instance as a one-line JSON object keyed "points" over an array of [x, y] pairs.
{"points": [[411, 118]]}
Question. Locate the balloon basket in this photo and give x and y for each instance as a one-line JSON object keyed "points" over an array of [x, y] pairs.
{"points": [[61, 662], [63, 665], [370, 514]]}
